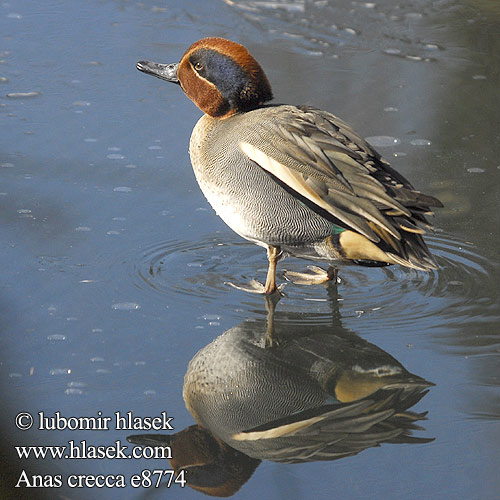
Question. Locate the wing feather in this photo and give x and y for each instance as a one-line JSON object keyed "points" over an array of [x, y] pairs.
{"points": [[335, 170], [338, 203]]}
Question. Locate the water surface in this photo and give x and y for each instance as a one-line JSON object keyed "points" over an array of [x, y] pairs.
{"points": [[114, 264]]}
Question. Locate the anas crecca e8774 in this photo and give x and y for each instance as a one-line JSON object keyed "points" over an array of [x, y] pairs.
{"points": [[294, 179]]}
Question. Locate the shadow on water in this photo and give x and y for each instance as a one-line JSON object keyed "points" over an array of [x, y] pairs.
{"points": [[271, 389]]}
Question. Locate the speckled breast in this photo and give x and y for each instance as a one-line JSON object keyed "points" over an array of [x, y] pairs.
{"points": [[245, 196]]}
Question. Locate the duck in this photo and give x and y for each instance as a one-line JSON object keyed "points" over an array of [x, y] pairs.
{"points": [[294, 179], [314, 387], [317, 394]]}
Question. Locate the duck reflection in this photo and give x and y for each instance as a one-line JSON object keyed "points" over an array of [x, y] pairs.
{"points": [[278, 390]]}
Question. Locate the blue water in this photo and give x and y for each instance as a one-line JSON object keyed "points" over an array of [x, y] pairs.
{"points": [[114, 264]]}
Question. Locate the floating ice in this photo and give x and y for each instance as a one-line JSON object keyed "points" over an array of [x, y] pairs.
{"points": [[420, 142], [22, 95], [383, 141], [126, 306], [211, 317], [76, 384], [288, 6], [60, 371], [73, 391], [56, 336]]}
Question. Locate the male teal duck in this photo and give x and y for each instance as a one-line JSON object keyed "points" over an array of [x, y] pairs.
{"points": [[294, 179], [309, 397], [319, 393]]}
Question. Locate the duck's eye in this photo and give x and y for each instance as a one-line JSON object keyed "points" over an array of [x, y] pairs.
{"points": [[198, 66]]}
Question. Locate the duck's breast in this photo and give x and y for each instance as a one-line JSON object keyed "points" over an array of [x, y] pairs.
{"points": [[244, 195]]}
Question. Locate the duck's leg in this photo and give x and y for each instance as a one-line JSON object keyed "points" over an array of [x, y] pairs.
{"points": [[273, 255], [316, 277], [271, 301]]}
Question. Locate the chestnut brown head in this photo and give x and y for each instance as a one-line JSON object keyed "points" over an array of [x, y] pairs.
{"points": [[220, 76]]}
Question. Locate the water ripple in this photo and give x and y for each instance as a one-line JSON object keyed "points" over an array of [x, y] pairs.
{"points": [[197, 269], [391, 297], [461, 289]]}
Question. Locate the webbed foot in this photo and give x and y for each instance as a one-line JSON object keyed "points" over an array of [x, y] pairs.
{"points": [[273, 255], [316, 277], [255, 286]]}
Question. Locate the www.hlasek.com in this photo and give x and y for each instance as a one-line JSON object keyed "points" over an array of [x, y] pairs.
{"points": [[83, 450]]}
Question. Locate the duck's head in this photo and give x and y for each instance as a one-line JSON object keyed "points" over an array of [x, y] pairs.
{"points": [[220, 76]]}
